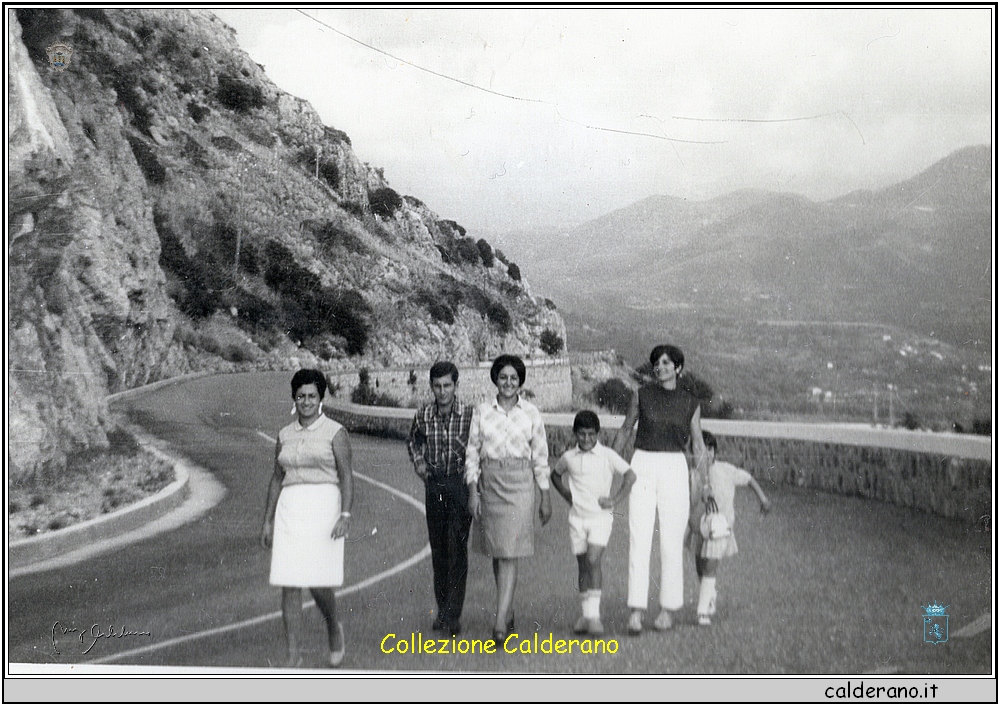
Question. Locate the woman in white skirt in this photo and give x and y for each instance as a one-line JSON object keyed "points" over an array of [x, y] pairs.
{"points": [[308, 512], [507, 455], [669, 418]]}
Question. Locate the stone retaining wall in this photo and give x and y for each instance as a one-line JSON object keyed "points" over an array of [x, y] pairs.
{"points": [[547, 385], [947, 475]]}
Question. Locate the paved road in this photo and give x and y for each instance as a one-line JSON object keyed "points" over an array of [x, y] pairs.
{"points": [[824, 585]]}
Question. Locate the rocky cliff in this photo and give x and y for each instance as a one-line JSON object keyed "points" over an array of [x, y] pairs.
{"points": [[171, 211]]}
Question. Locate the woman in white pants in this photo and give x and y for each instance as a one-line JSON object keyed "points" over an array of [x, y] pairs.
{"points": [[669, 418]]}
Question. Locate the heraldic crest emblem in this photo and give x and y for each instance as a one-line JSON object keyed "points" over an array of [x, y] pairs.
{"points": [[935, 623], [59, 55]]}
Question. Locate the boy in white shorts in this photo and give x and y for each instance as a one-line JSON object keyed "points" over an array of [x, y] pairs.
{"points": [[584, 476]]}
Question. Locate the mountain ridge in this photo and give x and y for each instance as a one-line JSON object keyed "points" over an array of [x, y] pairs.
{"points": [[902, 253]]}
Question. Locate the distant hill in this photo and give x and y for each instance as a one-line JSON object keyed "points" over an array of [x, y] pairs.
{"points": [[916, 255]]}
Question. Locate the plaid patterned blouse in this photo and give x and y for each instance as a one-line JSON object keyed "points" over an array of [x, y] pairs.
{"points": [[440, 441], [498, 434]]}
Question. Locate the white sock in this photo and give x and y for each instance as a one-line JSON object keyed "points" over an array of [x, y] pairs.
{"points": [[706, 595], [595, 603], [591, 603]]}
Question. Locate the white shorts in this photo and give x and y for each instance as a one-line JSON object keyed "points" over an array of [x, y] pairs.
{"points": [[592, 528]]}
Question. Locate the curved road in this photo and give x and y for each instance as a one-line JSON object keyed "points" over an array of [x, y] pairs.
{"points": [[824, 585]]}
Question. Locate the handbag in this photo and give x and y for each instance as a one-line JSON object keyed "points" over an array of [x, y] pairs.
{"points": [[716, 534]]}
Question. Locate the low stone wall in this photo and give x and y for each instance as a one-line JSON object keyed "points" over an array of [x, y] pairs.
{"points": [[945, 474], [547, 385]]}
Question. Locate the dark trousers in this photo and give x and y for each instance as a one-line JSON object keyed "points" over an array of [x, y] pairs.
{"points": [[448, 521]]}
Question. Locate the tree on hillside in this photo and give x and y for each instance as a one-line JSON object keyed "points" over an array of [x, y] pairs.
{"points": [[550, 342]]}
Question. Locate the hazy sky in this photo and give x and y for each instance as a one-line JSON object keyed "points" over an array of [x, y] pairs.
{"points": [[813, 101]]}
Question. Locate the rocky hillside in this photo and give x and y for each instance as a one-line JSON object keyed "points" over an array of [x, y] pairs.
{"points": [[171, 211]]}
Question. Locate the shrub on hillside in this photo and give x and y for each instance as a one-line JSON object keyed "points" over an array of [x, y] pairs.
{"points": [[384, 202], [332, 235], [284, 275], [329, 173], [238, 94], [154, 172], [550, 342], [467, 251], [336, 135], [365, 394], [95, 15], [252, 312], [312, 315], [485, 252], [200, 278], [514, 271], [197, 111], [497, 313], [614, 395], [226, 143], [123, 80], [354, 208], [451, 228], [435, 305]]}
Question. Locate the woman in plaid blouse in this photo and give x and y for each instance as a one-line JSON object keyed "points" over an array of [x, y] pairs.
{"points": [[507, 456]]}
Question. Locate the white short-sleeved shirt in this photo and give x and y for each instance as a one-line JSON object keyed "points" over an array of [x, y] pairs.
{"points": [[725, 478], [589, 475]]}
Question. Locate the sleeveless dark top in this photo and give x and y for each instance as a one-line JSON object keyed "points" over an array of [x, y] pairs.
{"points": [[664, 418]]}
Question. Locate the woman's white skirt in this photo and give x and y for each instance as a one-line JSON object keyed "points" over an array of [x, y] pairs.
{"points": [[303, 553]]}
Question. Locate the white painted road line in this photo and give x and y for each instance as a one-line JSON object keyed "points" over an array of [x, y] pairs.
{"points": [[353, 588], [975, 627]]}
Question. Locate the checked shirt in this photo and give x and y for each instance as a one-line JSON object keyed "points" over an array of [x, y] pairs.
{"points": [[440, 441]]}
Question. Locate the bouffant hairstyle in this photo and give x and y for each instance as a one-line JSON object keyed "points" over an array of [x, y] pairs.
{"points": [[672, 352], [307, 376], [502, 361], [585, 419], [442, 368], [710, 442]]}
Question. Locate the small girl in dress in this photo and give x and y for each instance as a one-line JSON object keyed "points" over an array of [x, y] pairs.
{"points": [[708, 550]]}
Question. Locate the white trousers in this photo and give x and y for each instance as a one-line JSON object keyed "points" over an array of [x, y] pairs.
{"points": [[661, 485]]}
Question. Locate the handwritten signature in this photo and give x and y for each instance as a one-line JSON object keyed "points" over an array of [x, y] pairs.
{"points": [[94, 634]]}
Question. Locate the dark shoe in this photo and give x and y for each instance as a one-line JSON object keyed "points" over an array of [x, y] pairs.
{"points": [[438, 625], [337, 656], [454, 629]]}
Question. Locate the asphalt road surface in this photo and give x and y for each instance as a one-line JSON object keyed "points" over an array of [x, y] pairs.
{"points": [[823, 585]]}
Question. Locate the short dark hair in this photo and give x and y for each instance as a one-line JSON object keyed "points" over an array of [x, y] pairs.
{"points": [[442, 368], [585, 419], [502, 361], [308, 376], [672, 352], [710, 441]]}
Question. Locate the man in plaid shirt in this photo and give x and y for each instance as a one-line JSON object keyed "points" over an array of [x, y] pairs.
{"points": [[437, 442]]}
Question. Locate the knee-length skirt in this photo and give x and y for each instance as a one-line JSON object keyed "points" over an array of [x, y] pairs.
{"points": [[303, 553], [507, 503]]}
